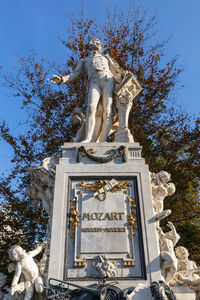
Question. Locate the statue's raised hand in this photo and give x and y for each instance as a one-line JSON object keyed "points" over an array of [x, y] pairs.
{"points": [[56, 79], [170, 224]]}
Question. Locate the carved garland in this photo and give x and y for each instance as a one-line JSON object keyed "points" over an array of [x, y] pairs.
{"points": [[102, 159], [74, 218], [132, 217], [157, 291]]}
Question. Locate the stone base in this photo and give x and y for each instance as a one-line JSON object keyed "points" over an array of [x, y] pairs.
{"points": [[123, 135], [183, 293], [102, 227]]}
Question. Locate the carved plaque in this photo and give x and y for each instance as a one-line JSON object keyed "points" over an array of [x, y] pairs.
{"points": [[102, 230]]}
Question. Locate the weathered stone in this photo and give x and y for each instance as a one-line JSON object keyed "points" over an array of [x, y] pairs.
{"points": [[184, 293]]}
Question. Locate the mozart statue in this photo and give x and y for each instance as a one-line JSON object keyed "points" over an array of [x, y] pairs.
{"points": [[97, 120]]}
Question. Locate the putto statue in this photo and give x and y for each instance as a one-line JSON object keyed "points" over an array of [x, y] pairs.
{"points": [[103, 76], [26, 265], [168, 241], [185, 266], [187, 273], [161, 188]]}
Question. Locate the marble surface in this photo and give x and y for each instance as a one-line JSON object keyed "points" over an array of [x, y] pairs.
{"points": [[145, 248]]}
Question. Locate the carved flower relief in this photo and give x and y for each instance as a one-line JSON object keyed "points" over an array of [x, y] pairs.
{"points": [[104, 267]]}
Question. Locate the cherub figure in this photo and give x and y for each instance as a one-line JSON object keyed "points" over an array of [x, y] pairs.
{"points": [[161, 188], [26, 265], [185, 266], [186, 271], [168, 241]]}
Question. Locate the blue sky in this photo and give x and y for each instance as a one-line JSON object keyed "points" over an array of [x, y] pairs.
{"points": [[35, 24]]}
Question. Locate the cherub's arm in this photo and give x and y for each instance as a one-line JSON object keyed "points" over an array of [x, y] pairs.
{"points": [[160, 232], [196, 270], [188, 281], [159, 188], [16, 277], [37, 250], [176, 236], [194, 265]]}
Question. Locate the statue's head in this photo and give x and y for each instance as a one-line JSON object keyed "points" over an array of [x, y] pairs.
{"points": [[16, 253], [94, 45], [170, 188], [164, 176], [181, 253]]}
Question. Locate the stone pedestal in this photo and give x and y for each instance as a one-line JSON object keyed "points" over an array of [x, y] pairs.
{"points": [[108, 235], [123, 135], [184, 293]]}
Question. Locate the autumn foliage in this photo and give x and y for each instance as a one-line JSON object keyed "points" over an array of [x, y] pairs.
{"points": [[170, 139]]}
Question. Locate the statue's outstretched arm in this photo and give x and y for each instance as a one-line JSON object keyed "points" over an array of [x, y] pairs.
{"points": [[75, 74], [37, 250], [176, 236], [59, 79]]}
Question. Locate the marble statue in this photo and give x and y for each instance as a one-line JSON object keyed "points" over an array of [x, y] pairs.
{"points": [[100, 85], [42, 185], [186, 271], [97, 119], [44, 261], [161, 188], [169, 262], [185, 266], [42, 188], [26, 266]]}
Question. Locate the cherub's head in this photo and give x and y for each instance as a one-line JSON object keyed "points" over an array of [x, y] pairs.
{"points": [[170, 188], [164, 176], [181, 253], [94, 45], [16, 253]]}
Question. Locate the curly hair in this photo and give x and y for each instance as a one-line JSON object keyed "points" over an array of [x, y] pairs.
{"points": [[13, 252]]}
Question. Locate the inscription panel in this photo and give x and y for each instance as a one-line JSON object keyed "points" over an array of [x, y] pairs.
{"points": [[112, 217], [102, 234]]}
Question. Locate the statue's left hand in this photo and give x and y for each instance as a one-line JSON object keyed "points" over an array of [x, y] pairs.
{"points": [[56, 79]]}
